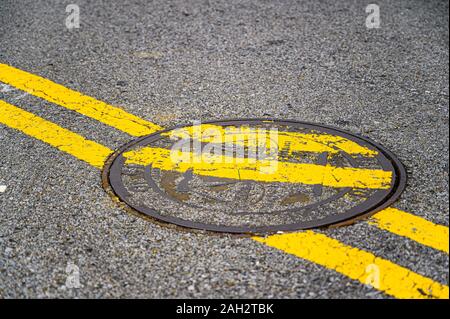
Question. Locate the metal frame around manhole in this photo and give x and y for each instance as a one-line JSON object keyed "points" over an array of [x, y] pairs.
{"points": [[345, 218]]}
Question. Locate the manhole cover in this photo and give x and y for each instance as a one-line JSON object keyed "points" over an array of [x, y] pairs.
{"points": [[254, 176]]}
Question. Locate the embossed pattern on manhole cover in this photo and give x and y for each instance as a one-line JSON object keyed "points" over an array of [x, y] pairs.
{"points": [[254, 176]]}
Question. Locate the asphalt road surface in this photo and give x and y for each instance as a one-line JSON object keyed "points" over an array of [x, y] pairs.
{"points": [[175, 62]]}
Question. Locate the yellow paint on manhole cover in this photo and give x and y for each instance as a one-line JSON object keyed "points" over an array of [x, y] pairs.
{"points": [[254, 176]]}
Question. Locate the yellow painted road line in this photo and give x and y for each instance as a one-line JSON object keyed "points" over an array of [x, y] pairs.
{"points": [[330, 253], [76, 101], [50, 133], [259, 170], [413, 227], [133, 125], [357, 264], [291, 141]]}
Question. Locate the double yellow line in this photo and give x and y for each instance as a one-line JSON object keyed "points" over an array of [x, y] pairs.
{"points": [[394, 279]]}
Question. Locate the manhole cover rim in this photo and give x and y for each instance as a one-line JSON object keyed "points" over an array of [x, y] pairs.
{"points": [[399, 176]]}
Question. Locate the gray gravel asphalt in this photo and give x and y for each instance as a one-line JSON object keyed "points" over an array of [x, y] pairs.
{"points": [[173, 62]]}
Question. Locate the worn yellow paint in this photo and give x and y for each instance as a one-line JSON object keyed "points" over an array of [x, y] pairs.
{"points": [[259, 170], [357, 264], [413, 227], [75, 101], [48, 132], [283, 140]]}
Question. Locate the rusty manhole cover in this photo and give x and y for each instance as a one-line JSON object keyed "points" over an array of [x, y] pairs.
{"points": [[254, 176]]}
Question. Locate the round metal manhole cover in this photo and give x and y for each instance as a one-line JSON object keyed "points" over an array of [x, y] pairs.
{"points": [[254, 176]]}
